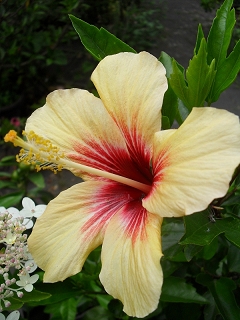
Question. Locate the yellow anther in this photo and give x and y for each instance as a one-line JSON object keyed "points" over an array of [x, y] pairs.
{"points": [[36, 151], [10, 136]]}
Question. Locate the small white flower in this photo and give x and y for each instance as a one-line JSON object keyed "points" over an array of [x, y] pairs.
{"points": [[31, 265], [10, 238], [15, 213], [26, 282], [15, 315], [30, 209], [2, 210]]}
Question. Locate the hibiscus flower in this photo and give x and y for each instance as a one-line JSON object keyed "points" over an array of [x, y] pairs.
{"points": [[134, 175]]}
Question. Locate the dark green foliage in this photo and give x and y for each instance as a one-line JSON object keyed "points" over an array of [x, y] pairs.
{"points": [[100, 43], [37, 36], [213, 68], [18, 180], [32, 36]]}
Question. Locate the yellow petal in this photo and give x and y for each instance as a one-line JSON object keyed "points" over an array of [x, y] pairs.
{"points": [[131, 253], [194, 164], [132, 87], [73, 225], [77, 122]]}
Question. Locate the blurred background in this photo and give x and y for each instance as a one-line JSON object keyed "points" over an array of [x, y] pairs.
{"points": [[40, 51]]}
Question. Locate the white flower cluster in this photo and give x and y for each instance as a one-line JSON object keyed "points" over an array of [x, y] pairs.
{"points": [[14, 254]]}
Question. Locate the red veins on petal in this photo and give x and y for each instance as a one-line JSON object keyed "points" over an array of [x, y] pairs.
{"points": [[159, 168], [159, 164], [134, 218], [112, 159], [102, 156], [109, 199], [139, 152]]}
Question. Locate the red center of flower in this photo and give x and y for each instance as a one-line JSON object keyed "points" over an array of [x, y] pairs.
{"points": [[115, 160], [116, 198]]}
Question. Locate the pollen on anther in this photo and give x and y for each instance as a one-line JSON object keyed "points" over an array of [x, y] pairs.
{"points": [[40, 152], [10, 136]]}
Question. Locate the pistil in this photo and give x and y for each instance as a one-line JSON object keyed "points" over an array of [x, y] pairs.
{"points": [[41, 153], [132, 183]]}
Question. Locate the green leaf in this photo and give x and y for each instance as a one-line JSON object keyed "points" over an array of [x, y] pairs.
{"points": [[221, 289], [200, 36], [209, 250], [7, 184], [83, 303], [170, 101], [178, 83], [99, 42], [167, 62], [191, 250], [199, 77], [234, 199], [103, 300], [35, 295], [232, 231], [165, 123], [182, 112], [59, 291], [169, 107], [63, 310], [237, 180], [210, 310], [11, 199], [37, 179], [5, 174], [235, 210], [220, 33], [233, 258], [68, 309], [201, 231], [8, 161], [172, 231], [218, 42], [15, 304], [169, 267], [226, 73], [177, 290], [98, 313], [193, 223], [53, 309]]}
